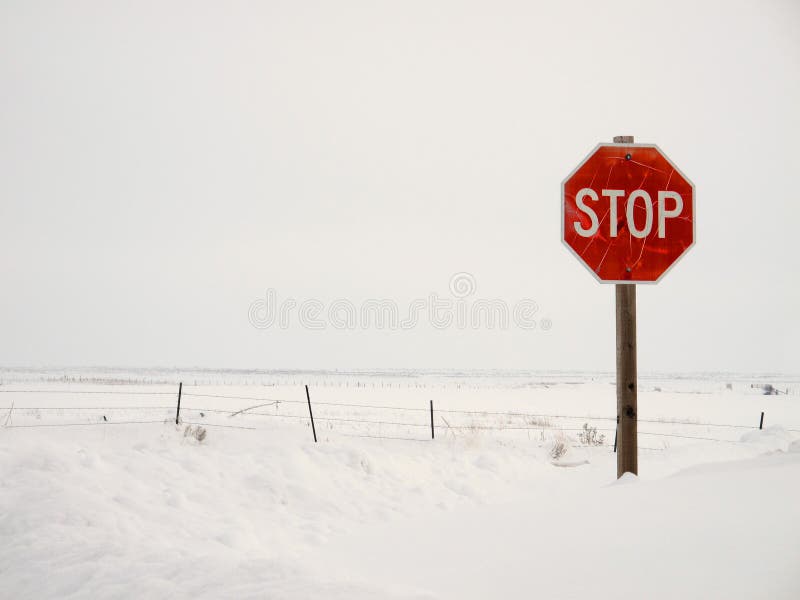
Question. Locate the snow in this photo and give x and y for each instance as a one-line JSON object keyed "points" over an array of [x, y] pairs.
{"points": [[106, 509], [707, 533]]}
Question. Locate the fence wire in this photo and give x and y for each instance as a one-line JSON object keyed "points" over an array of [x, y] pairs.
{"points": [[479, 417]]}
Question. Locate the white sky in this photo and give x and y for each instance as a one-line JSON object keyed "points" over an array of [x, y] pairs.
{"points": [[163, 163]]}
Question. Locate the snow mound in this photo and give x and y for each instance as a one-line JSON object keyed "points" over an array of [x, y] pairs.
{"points": [[771, 439], [626, 479]]}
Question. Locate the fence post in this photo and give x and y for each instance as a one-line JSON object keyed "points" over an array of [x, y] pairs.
{"points": [[311, 414], [432, 433], [178, 412], [761, 423]]}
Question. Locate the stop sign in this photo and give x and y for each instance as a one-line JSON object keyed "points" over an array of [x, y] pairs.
{"points": [[627, 213]]}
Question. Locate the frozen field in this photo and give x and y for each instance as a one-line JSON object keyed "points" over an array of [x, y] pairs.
{"points": [[102, 495]]}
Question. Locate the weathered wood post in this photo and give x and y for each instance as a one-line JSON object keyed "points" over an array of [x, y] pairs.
{"points": [[311, 414], [627, 444], [178, 412]]}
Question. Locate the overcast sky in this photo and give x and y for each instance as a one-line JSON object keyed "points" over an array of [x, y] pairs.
{"points": [[164, 164]]}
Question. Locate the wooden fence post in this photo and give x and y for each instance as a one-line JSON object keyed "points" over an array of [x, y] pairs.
{"points": [[311, 414], [178, 412]]}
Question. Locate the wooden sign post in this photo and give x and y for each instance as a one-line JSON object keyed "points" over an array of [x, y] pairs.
{"points": [[627, 446]]}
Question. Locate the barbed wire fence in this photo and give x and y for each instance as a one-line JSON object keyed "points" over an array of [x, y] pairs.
{"points": [[359, 420], [346, 419]]}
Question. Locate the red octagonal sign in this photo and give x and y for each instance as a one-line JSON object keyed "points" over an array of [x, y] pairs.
{"points": [[627, 213]]}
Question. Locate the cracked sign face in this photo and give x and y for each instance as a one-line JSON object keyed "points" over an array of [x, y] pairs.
{"points": [[627, 213]]}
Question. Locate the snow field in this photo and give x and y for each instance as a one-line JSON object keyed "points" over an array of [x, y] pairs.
{"points": [[90, 509]]}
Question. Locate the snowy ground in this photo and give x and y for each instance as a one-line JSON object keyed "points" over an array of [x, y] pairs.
{"points": [[102, 495]]}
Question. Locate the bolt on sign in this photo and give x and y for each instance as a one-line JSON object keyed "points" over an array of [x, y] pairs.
{"points": [[628, 213]]}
